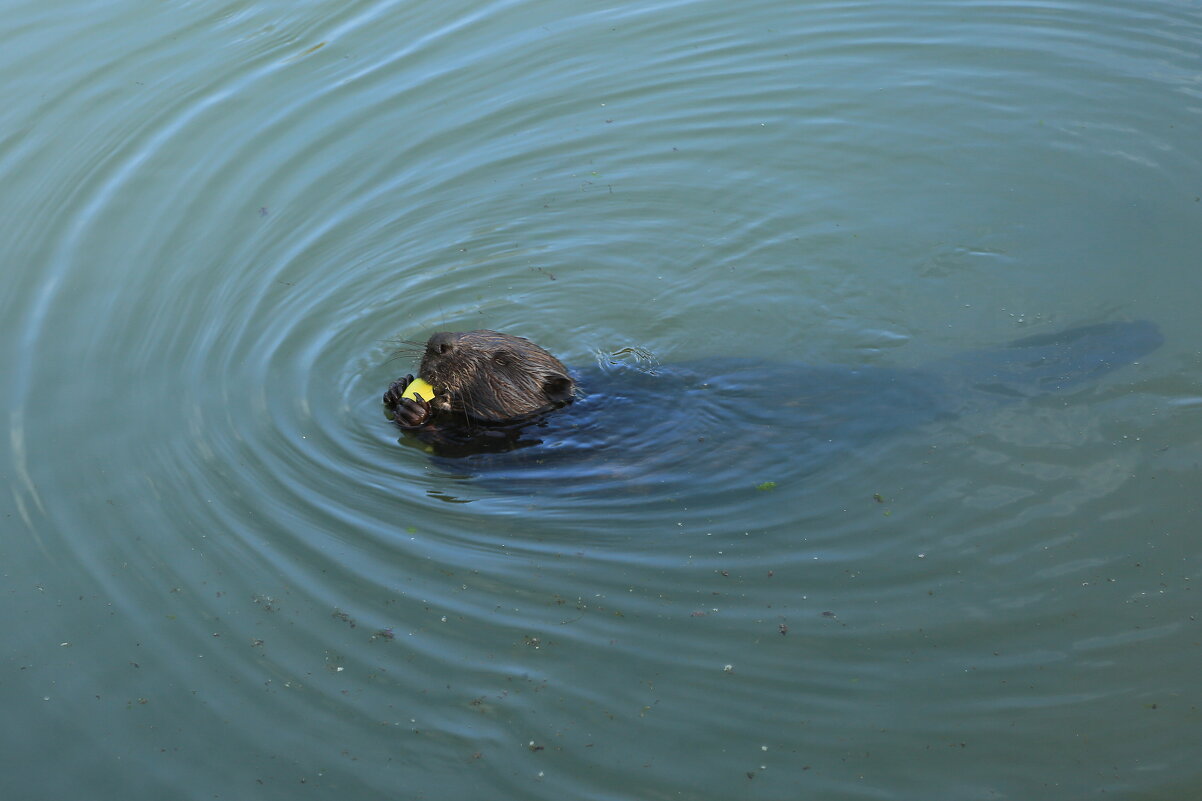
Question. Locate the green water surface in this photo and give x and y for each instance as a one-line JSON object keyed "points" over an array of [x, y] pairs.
{"points": [[222, 576]]}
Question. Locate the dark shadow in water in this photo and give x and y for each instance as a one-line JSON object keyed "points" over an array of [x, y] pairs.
{"points": [[703, 428]]}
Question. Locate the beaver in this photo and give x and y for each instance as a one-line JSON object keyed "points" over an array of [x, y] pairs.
{"points": [[496, 393], [487, 386]]}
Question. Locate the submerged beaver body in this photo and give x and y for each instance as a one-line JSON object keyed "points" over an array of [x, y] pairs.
{"points": [[506, 407]]}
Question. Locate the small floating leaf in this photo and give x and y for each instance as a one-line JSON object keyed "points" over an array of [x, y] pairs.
{"points": [[299, 56]]}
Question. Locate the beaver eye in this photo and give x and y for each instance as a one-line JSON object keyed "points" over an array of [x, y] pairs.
{"points": [[502, 358]]}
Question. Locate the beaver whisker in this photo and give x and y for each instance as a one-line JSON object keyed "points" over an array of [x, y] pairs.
{"points": [[406, 349], [409, 344], [468, 404]]}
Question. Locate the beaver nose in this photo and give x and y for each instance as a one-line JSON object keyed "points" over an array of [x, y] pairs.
{"points": [[442, 343]]}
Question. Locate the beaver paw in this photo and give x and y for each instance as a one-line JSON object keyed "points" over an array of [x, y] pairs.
{"points": [[412, 413], [406, 412], [392, 396]]}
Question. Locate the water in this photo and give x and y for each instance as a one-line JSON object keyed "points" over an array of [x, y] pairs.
{"points": [[224, 577]]}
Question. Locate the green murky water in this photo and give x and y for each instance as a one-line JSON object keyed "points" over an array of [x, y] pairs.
{"points": [[223, 577]]}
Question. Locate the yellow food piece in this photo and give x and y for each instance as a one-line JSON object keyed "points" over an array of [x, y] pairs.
{"points": [[419, 388]]}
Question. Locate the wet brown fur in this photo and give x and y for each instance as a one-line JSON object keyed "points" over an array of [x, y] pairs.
{"points": [[485, 377]]}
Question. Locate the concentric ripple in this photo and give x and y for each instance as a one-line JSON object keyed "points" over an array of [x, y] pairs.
{"points": [[229, 574]]}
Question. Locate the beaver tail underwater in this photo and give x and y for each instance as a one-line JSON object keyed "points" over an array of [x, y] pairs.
{"points": [[1049, 362]]}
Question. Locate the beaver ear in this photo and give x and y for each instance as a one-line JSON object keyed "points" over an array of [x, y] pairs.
{"points": [[558, 388]]}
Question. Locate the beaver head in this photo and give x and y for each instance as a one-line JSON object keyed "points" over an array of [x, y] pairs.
{"points": [[493, 377]]}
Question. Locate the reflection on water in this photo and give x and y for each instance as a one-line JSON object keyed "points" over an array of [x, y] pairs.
{"points": [[720, 574]]}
